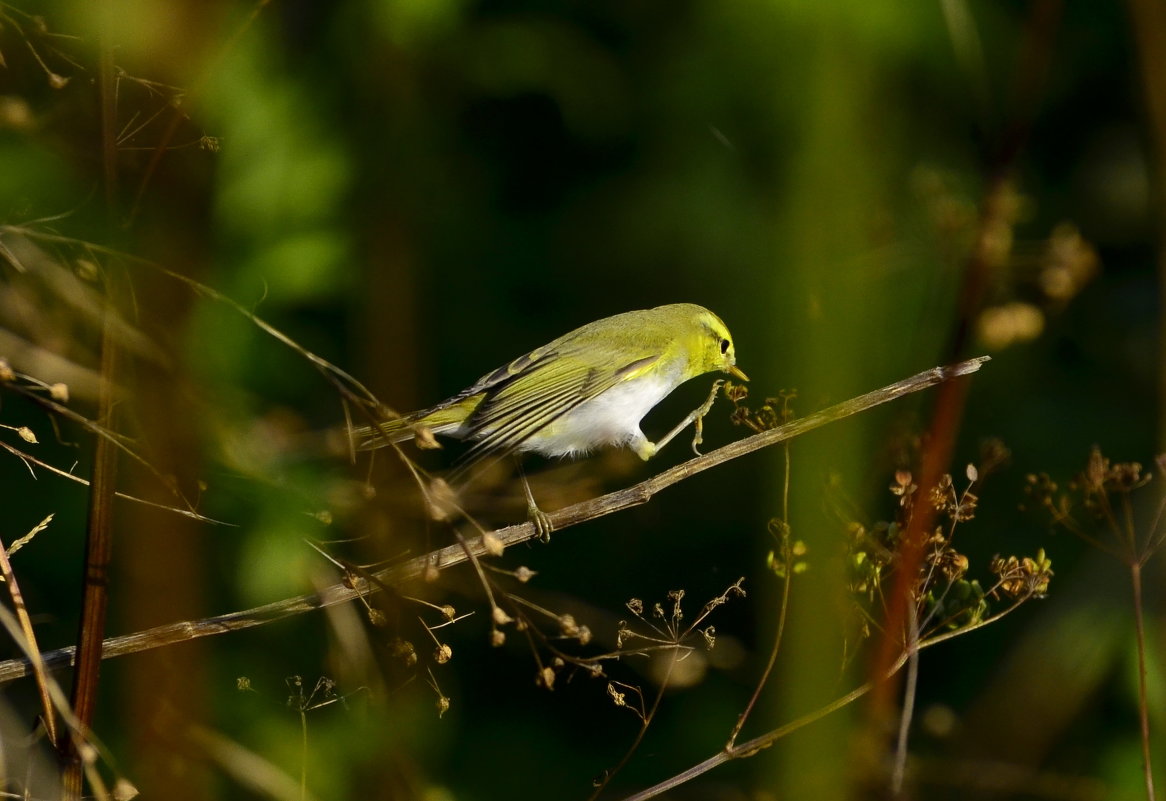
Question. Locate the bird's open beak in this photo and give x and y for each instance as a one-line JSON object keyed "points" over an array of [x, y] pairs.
{"points": [[737, 372]]}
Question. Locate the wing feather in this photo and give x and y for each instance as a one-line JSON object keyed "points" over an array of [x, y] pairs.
{"points": [[520, 406], [517, 428]]}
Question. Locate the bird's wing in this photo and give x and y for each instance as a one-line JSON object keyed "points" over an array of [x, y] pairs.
{"points": [[534, 390]]}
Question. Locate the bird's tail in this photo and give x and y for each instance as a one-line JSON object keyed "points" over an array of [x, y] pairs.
{"points": [[420, 425], [383, 433]]}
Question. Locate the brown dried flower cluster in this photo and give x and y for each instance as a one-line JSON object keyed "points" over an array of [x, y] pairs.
{"points": [[944, 595]]}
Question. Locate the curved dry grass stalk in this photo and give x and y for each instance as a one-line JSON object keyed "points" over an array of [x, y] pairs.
{"points": [[30, 460], [458, 553]]}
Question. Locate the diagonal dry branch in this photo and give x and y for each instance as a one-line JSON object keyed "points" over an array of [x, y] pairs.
{"points": [[456, 554]]}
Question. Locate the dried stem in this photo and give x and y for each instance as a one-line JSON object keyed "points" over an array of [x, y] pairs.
{"points": [[48, 713], [645, 721], [457, 554], [782, 610], [99, 531], [29, 460], [1143, 700], [758, 744], [910, 686]]}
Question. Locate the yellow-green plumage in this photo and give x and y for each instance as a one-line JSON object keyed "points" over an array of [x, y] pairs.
{"points": [[586, 389]]}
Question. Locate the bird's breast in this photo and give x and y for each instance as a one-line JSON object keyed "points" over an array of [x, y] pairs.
{"points": [[610, 418]]}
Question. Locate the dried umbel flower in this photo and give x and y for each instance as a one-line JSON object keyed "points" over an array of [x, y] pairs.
{"points": [[951, 565], [1021, 577], [773, 412], [904, 487], [567, 626], [617, 698]]}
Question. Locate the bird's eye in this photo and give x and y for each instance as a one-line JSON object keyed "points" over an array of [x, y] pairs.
{"points": [[725, 346]]}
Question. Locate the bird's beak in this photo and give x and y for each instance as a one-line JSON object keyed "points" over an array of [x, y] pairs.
{"points": [[737, 372]]}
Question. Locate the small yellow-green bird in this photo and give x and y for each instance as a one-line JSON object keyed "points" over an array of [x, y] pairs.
{"points": [[587, 389]]}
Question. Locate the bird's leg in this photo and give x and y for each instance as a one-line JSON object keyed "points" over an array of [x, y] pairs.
{"points": [[542, 523], [695, 417]]}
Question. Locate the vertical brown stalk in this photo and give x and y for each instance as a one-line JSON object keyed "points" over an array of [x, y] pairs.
{"points": [[1029, 82], [1148, 24], [99, 529]]}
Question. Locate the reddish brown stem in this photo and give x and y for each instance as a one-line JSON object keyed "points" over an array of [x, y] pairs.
{"points": [[99, 530]]}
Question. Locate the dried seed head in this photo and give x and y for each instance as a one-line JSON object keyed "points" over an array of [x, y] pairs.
{"points": [[567, 626], [123, 790], [442, 500], [615, 695], [709, 633], [492, 544]]}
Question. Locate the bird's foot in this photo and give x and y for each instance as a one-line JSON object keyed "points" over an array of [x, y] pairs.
{"points": [[541, 522], [699, 415]]}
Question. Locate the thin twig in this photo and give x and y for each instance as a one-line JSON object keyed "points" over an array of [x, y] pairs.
{"points": [[102, 432], [782, 609], [177, 116], [1143, 698], [910, 686], [28, 458], [348, 386], [456, 554], [645, 721], [758, 744], [38, 669]]}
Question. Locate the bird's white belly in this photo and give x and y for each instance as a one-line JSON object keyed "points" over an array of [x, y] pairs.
{"points": [[612, 418]]}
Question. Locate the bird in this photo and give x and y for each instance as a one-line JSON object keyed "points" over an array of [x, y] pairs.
{"points": [[587, 389]]}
